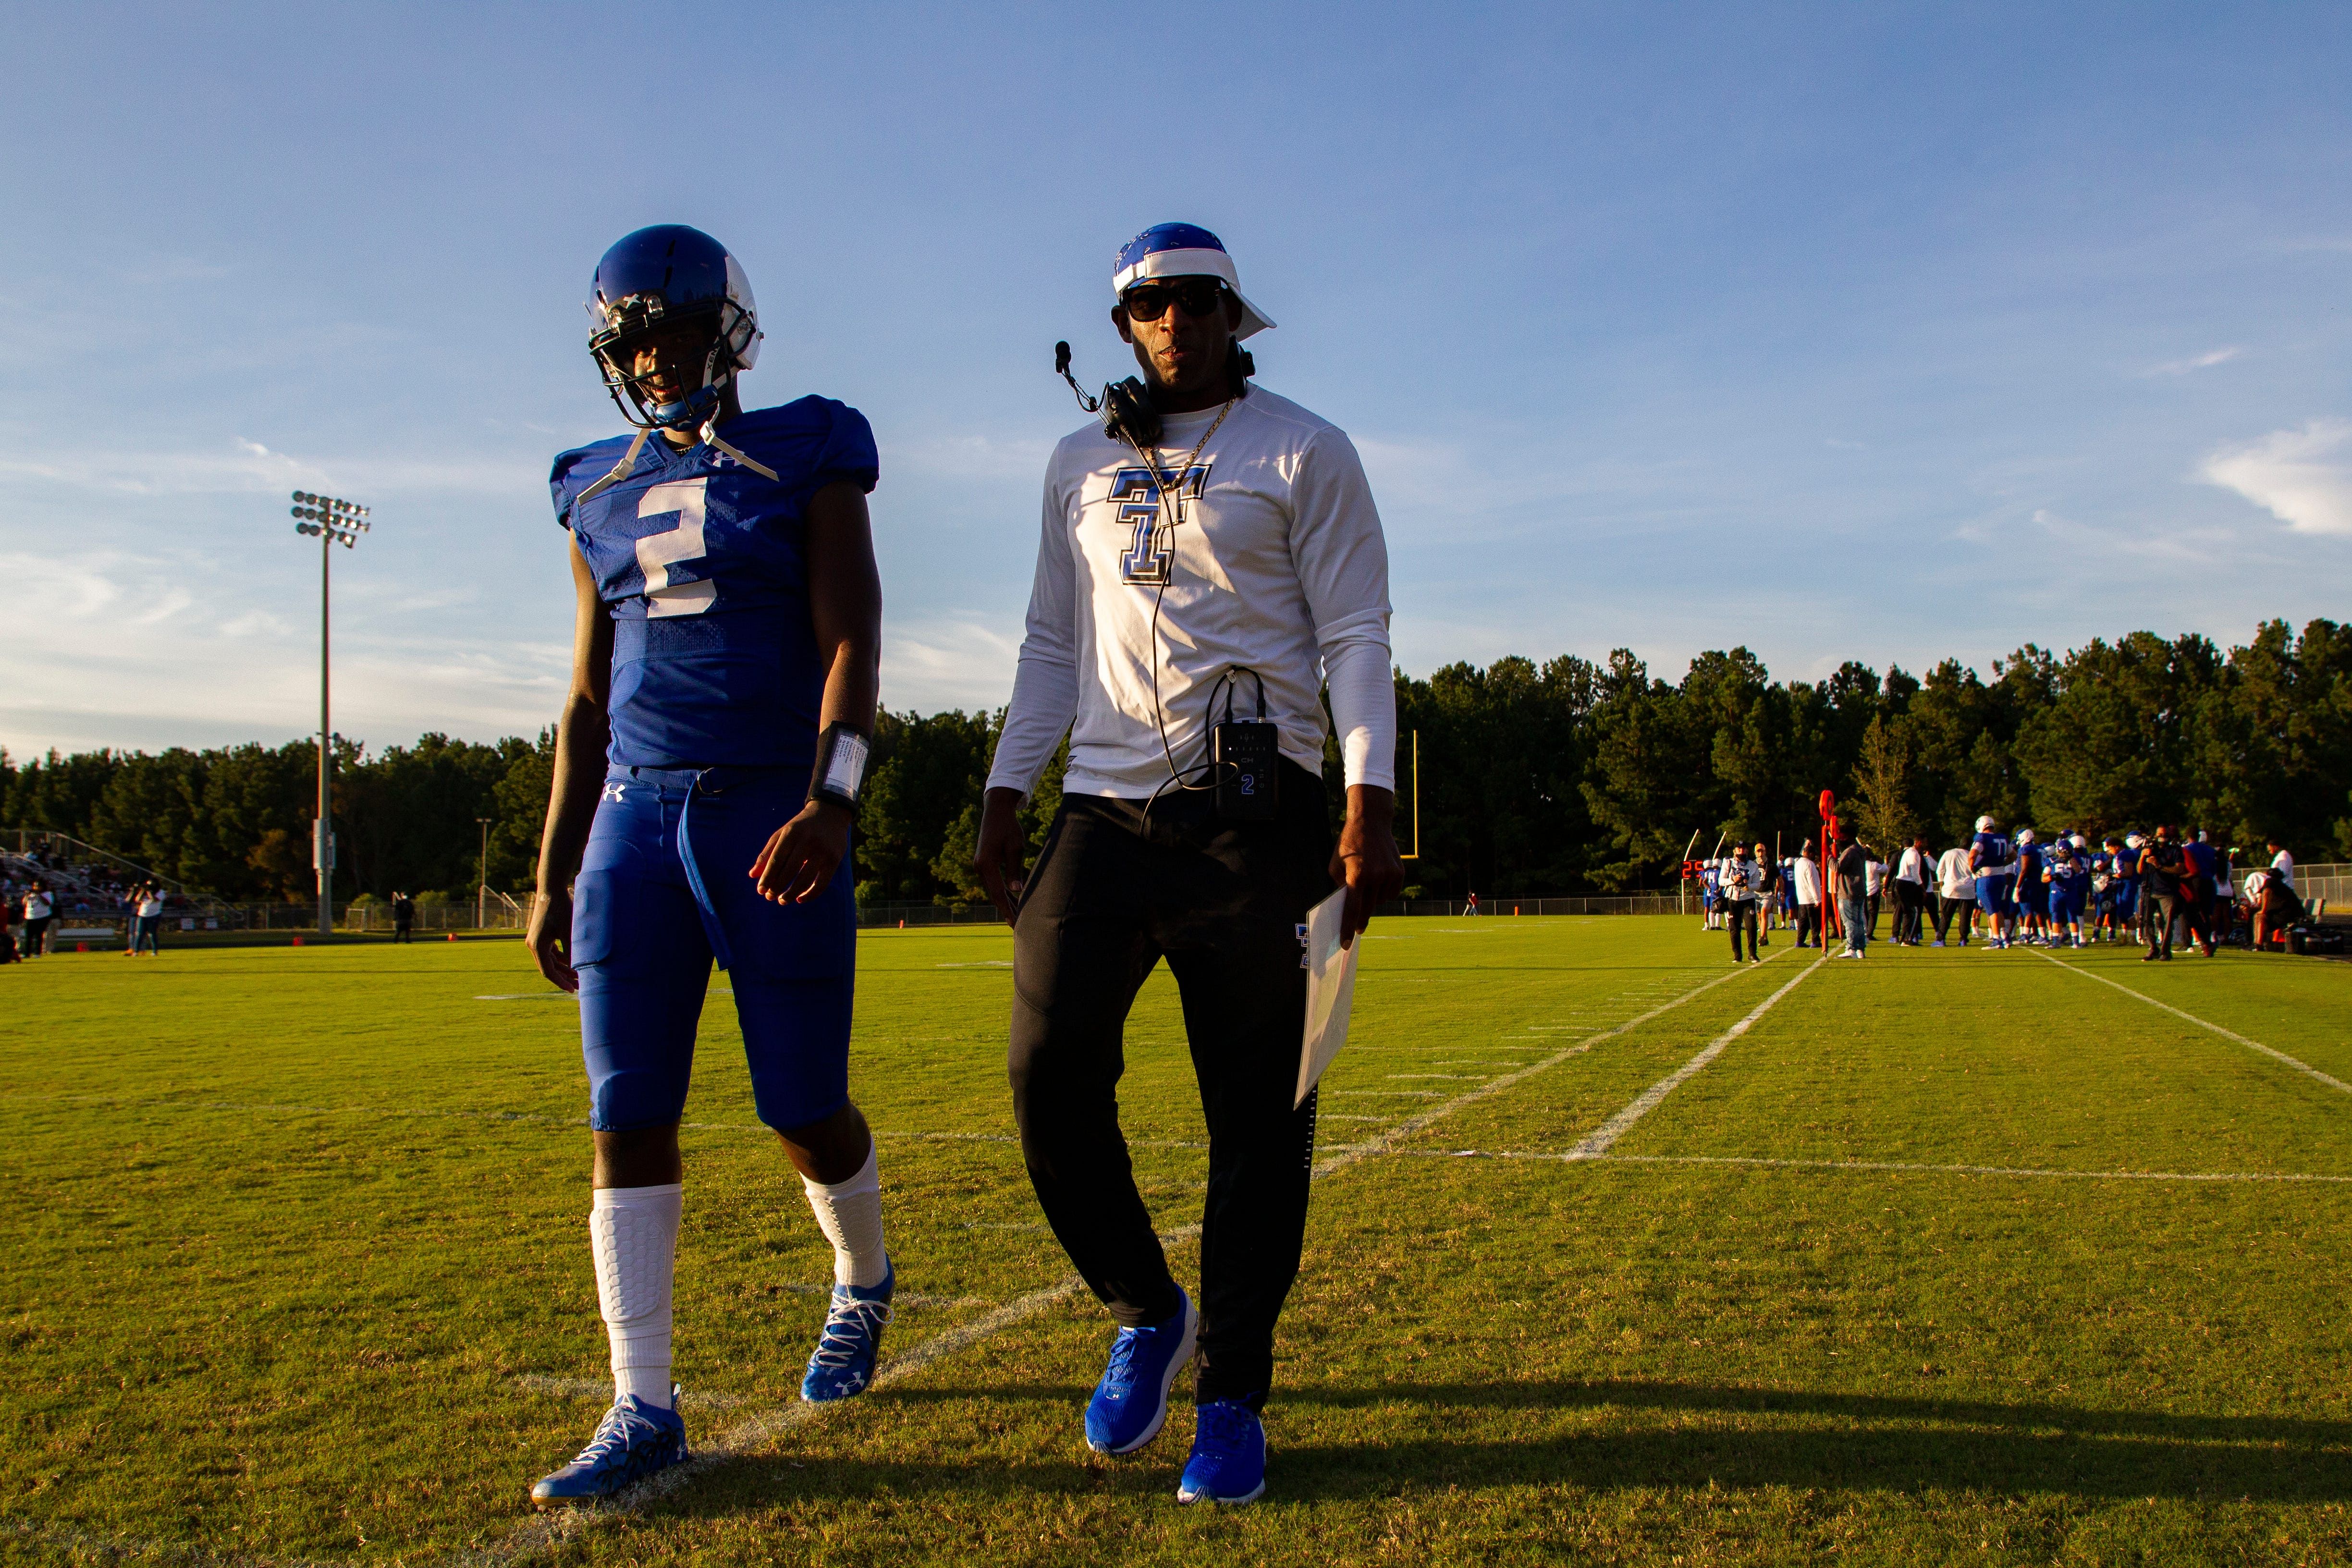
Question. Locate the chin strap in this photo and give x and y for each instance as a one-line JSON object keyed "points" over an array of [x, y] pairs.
{"points": [[713, 437], [620, 469], [629, 461]]}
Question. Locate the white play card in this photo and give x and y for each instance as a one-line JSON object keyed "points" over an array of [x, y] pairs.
{"points": [[1330, 988]]}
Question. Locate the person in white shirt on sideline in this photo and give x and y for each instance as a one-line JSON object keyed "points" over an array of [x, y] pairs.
{"points": [[1875, 885], [1913, 870], [2282, 864], [40, 910], [1807, 876], [1210, 551], [1956, 888], [1741, 882]]}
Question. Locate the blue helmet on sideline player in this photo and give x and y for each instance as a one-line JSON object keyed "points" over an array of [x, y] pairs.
{"points": [[655, 280]]}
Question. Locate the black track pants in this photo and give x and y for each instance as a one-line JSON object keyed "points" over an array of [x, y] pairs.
{"points": [[1740, 915], [1221, 902]]}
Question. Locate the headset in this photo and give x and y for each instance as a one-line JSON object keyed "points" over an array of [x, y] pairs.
{"points": [[1126, 407], [1244, 755]]}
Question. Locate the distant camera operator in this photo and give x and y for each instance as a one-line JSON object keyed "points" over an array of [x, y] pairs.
{"points": [[1221, 539]]}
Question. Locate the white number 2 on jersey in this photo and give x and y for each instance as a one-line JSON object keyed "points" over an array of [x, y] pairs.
{"points": [[657, 551]]}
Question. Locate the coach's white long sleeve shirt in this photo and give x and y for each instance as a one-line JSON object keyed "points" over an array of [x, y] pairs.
{"points": [[1276, 564]]}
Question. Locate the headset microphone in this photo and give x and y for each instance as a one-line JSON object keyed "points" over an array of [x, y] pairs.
{"points": [[1128, 412]]}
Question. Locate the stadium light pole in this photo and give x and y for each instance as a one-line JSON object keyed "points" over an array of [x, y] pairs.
{"points": [[329, 521], [482, 875]]}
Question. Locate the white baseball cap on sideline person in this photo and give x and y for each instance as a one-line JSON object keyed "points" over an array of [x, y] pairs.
{"points": [[1184, 250]]}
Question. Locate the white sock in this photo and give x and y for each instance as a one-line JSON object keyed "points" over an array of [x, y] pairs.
{"points": [[634, 1232], [850, 1215]]}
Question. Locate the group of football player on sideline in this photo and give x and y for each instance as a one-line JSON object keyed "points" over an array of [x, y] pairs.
{"points": [[2070, 891], [1206, 536]]}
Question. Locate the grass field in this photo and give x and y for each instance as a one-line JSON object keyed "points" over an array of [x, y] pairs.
{"points": [[1947, 1256]]}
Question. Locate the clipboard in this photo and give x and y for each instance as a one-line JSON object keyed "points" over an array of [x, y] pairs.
{"points": [[1330, 991]]}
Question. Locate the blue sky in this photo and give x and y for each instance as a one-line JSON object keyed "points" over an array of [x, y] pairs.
{"points": [[1840, 332]]}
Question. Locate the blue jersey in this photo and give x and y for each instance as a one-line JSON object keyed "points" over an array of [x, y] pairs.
{"points": [[703, 566], [2028, 867], [1993, 854]]}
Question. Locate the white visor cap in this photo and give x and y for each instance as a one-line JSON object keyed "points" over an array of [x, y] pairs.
{"points": [[1184, 250]]}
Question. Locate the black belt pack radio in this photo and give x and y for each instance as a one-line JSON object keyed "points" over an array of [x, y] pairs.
{"points": [[1246, 757]]}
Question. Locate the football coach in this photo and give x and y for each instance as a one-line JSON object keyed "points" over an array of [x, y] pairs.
{"points": [[1209, 553]]}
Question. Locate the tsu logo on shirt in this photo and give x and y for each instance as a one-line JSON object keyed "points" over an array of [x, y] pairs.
{"points": [[1136, 492]]}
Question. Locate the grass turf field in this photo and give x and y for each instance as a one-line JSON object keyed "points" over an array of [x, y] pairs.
{"points": [[1946, 1255]]}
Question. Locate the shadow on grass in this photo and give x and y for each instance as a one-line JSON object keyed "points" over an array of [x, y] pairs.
{"points": [[1879, 1443]]}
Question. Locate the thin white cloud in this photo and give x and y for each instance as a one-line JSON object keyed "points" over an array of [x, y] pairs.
{"points": [[963, 661], [2303, 476], [2197, 362], [246, 467]]}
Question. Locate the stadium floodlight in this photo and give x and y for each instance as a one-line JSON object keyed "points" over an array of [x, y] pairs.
{"points": [[329, 521]]}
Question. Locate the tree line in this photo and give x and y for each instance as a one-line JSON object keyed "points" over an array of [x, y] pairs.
{"points": [[1563, 777]]}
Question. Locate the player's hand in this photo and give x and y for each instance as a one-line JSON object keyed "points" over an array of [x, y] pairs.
{"points": [[1366, 858], [550, 939], [799, 862], [1002, 857]]}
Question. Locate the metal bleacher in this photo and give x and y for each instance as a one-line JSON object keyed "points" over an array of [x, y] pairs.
{"points": [[80, 874]]}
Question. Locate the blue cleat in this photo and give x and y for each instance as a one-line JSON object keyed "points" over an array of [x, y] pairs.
{"points": [[843, 1364], [1130, 1403], [635, 1440], [1228, 1462]]}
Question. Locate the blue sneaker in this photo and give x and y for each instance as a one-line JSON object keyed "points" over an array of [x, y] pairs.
{"points": [[1228, 1462], [635, 1440], [843, 1363], [1130, 1403]]}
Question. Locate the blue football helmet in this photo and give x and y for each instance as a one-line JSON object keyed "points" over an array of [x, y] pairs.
{"points": [[653, 280]]}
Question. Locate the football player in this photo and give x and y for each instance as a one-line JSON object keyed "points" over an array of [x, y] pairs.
{"points": [[707, 768]]}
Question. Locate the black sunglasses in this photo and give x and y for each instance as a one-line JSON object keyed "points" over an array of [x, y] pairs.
{"points": [[1148, 301]]}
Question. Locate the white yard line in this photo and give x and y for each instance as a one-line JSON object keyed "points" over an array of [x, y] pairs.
{"points": [[2275, 1055], [1382, 1142], [1596, 1142], [1570, 1157]]}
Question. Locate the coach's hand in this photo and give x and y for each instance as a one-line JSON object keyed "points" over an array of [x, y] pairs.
{"points": [[1001, 858], [799, 862], [1366, 859], [550, 939]]}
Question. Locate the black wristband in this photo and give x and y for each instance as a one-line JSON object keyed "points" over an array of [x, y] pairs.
{"points": [[840, 773]]}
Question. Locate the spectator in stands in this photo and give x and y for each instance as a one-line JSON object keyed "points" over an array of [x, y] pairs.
{"points": [[40, 908], [1955, 891], [1806, 877], [1913, 870], [1853, 873], [1735, 885]]}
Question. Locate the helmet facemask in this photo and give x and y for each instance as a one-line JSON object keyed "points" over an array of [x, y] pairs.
{"points": [[625, 323]]}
